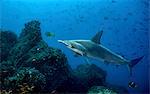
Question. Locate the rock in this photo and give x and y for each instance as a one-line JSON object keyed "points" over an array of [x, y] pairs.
{"points": [[91, 74], [31, 30], [29, 38], [119, 89], [31, 52], [7, 40], [84, 77], [101, 90], [29, 76], [6, 70], [31, 62], [111, 89], [49, 61]]}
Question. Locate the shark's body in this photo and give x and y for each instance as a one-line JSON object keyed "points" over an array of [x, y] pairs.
{"points": [[94, 49], [100, 52]]}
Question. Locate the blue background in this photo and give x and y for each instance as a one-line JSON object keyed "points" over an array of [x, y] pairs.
{"points": [[125, 25]]}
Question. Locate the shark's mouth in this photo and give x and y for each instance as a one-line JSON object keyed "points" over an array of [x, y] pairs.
{"points": [[70, 47], [66, 44]]}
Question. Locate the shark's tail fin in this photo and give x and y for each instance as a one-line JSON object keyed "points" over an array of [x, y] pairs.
{"points": [[133, 62]]}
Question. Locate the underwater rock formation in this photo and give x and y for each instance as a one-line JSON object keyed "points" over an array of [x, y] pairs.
{"points": [[90, 73], [28, 38], [31, 63], [28, 76], [7, 40], [101, 90], [49, 61], [119, 89], [83, 78], [107, 90]]}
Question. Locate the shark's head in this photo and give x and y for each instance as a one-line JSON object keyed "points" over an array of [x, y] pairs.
{"points": [[66, 42], [74, 46]]}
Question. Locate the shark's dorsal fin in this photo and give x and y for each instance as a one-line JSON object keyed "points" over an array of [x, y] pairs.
{"points": [[97, 37]]}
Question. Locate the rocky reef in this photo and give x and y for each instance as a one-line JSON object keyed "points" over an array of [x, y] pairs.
{"points": [[8, 40], [101, 90], [83, 78], [28, 61], [107, 90], [29, 65]]}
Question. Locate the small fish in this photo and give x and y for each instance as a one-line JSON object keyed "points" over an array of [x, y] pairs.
{"points": [[54, 92], [130, 13], [132, 84], [125, 19], [49, 34], [105, 18], [113, 1]]}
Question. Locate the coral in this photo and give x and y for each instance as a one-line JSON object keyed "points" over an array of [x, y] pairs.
{"points": [[30, 76], [101, 90], [41, 54], [51, 62], [6, 70], [7, 40], [5, 91], [23, 78]]}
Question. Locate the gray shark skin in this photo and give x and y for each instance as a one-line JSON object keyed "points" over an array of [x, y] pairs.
{"points": [[94, 49]]}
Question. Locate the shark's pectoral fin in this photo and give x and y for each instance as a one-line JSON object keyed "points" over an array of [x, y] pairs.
{"points": [[86, 60], [77, 55], [97, 37], [106, 62]]}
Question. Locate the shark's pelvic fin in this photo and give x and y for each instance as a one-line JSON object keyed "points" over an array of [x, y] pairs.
{"points": [[97, 37]]}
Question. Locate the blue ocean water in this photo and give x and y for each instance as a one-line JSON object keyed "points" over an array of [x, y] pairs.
{"points": [[124, 22]]}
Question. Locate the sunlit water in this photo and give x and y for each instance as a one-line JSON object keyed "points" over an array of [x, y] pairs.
{"points": [[124, 22]]}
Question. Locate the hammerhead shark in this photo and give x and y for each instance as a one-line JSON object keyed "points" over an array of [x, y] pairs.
{"points": [[94, 49]]}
